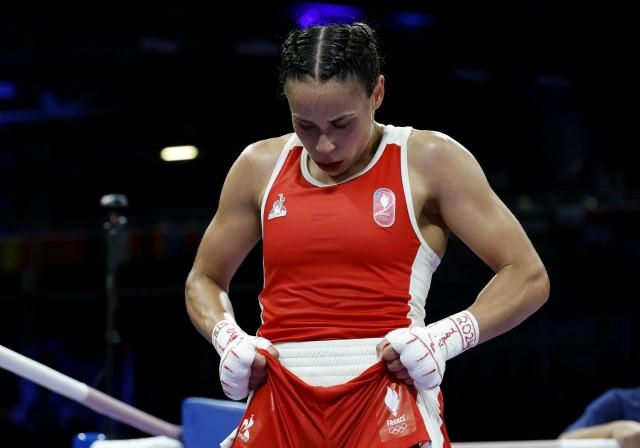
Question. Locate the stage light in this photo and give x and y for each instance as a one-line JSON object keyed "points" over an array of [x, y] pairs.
{"points": [[178, 153]]}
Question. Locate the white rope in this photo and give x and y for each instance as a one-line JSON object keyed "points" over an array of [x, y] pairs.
{"points": [[42, 375], [563, 443], [87, 396], [148, 442]]}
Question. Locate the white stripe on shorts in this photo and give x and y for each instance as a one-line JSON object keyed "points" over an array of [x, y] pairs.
{"points": [[327, 363]]}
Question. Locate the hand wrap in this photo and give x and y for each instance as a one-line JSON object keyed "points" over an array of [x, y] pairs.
{"points": [[237, 351], [424, 350]]}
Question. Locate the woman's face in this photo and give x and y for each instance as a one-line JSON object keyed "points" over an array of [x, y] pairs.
{"points": [[334, 120]]}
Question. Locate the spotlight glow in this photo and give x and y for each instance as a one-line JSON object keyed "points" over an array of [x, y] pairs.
{"points": [[178, 153]]}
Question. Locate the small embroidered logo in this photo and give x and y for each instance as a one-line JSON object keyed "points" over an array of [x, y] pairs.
{"points": [[384, 207], [398, 424], [243, 432], [278, 208], [392, 401]]}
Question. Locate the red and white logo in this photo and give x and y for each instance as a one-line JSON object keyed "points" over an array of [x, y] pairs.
{"points": [[396, 425], [384, 207], [392, 401], [243, 431], [278, 209]]}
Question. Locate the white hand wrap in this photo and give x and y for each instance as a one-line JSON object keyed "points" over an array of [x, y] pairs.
{"points": [[424, 351], [237, 351]]}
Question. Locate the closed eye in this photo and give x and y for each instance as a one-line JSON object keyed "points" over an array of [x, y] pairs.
{"points": [[336, 125], [341, 125], [304, 124]]}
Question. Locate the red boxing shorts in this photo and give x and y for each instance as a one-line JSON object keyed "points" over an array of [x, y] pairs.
{"points": [[372, 410]]}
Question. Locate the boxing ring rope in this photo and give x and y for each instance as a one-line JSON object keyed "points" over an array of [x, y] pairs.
{"points": [[168, 435], [148, 442], [563, 443], [156, 442], [85, 395]]}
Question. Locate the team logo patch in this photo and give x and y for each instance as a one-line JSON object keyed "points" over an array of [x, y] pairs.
{"points": [[397, 424], [384, 207], [278, 210], [243, 431], [392, 401]]}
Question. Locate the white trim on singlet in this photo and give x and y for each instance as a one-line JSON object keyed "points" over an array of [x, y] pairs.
{"points": [[432, 257], [292, 142], [304, 162], [426, 261], [419, 285]]}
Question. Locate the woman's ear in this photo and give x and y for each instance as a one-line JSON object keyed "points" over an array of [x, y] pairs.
{"points": [[378, 93]]}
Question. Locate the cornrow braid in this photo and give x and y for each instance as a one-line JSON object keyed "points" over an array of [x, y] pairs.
{"points": [[333, 51], [363, 39]]}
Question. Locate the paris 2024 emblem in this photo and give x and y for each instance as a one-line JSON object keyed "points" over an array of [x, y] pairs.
{"points": [[384, 207]]}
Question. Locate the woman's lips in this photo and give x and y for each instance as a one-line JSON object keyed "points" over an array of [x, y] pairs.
{"points": [[329, 167]]}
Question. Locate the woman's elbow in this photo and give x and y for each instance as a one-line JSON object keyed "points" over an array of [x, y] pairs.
{"points": [[190, 285], [541, 285]]}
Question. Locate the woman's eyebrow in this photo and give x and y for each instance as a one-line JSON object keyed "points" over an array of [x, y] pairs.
{"points": [[338, 118]]}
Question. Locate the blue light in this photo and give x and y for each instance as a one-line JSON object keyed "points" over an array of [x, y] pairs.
{"points": [[8, 90], [413, 19], [311, 13]]}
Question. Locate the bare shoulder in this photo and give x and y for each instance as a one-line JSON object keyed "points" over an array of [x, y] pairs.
{"points": [[252, 169], [433, 146], [439, 158], [262, 155]]}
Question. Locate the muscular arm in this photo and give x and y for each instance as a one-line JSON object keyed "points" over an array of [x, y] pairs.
{"points": [[471, 210], [233, 232]]}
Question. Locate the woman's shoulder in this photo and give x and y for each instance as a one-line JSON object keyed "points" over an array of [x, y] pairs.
{"points": [[432, 143], [263, 154], [431, 149]]}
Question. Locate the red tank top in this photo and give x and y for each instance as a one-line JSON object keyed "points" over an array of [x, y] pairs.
{"points": [[347, 260]]}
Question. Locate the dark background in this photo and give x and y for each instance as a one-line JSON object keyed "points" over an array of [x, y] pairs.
{"points": [[544, 94]]}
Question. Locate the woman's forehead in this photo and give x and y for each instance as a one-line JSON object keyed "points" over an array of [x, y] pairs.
{"points": [[334, 98], [314, 87]]}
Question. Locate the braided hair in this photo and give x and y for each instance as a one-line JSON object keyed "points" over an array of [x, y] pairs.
{"points": [[332, 52]]}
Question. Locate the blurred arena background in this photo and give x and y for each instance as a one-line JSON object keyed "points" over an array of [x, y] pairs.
{"points": [[544, 94]]}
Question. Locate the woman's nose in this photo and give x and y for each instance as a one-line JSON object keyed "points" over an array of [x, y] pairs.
{"points": [[324, 145]]}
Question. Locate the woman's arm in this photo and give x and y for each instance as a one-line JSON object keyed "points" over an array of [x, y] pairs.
{"points": [[233, 232], [472, 211], [468, 206]]}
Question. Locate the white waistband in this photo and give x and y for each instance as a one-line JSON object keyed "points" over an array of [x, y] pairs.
{"points": [[327, 363]]}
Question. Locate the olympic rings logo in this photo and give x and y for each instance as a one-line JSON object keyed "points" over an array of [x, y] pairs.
{"points": [[398, 429]]}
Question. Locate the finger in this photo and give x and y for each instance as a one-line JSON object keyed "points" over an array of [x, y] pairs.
{"points": [[402, 374], [255, 384], [257, 380], [273, 352], [258, 376], [381, 346], [395, 366], [259, 362], [389, 354]]}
